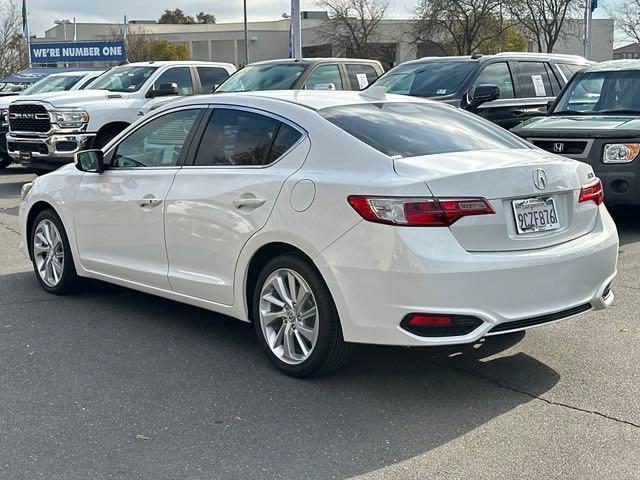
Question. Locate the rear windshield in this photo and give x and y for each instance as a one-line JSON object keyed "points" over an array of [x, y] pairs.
{"points": [[414, 129], [281, 76], [426, 79]]}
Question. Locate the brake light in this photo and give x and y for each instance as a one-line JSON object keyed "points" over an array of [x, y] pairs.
{"points": [[417, 211], [592, 191]]}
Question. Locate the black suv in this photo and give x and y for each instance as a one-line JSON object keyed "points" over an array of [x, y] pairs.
{"points": [[596, 119], [506, 88], [304, 73]]}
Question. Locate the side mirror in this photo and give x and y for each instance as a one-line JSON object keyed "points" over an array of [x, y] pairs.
{"points": [[325, 86], [483, 94], [16, 88], [91, 161], [213, 87], [164, 90]]}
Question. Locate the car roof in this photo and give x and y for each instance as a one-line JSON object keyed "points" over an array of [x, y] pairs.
{"points": [[75, 73], [310, 99], [505, 56], [311, 61], [162, 63], [614, 66]]}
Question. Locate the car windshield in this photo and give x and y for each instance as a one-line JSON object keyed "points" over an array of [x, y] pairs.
{"points": [[54, 83], [415, 129], [281, 76], [123, 79], [608, 93], [432, 79]]}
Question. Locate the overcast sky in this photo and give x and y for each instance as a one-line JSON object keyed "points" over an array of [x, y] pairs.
{"points": [[43, 12]]}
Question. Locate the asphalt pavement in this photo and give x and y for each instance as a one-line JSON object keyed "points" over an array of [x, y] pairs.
{"points": [[116, 384]]}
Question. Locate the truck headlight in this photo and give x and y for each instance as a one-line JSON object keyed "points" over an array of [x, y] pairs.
{"points": [[620, 152], [4, 117], [69, 118]]}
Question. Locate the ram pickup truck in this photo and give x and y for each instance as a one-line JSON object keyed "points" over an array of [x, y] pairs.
{"points": [[57, 82], [46, 131]]}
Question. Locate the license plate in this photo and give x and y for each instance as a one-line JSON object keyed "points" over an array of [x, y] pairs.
{"points": [[536, 214], [25, 156]]}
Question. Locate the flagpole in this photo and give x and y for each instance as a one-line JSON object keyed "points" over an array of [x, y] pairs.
{"points": [[25, 29]]}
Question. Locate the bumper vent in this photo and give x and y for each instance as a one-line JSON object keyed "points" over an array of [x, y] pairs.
{"points": [[562, 147], [29, 147], [29, 118], [541, 320]]}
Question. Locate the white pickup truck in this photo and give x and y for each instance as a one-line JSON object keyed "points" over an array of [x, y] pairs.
{"points": [[46, 131]]}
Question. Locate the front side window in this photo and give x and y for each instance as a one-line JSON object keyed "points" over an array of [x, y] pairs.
{"points": [[496, 74], [534, 80], [158, 143], [278, 76], [414, 129], [181, 76], [123, 79], [432, 79], [601, 92], [325, 77], [240, 138], [211, 77]]}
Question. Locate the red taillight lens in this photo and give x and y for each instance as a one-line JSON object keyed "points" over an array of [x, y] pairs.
{"points": [[592, 191], [418, 212], [429, 320]]}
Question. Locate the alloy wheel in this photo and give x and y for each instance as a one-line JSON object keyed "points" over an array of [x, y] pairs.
{"points": [[48, 253], [289, 316]]}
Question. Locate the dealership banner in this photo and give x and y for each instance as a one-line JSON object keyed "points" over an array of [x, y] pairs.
{"points": [[77, 52]]}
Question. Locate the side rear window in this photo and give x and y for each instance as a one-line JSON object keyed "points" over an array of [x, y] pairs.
{"points": [[534, 80], [240, 138], [211, 77], [360, 75]]}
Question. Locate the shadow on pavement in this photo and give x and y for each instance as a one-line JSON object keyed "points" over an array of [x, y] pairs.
{"points": [[122, 384]]}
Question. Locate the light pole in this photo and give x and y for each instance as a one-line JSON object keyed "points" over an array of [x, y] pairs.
{"points": [[246, 35]]}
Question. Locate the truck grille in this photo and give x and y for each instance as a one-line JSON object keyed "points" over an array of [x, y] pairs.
{"points": [[29, 118], [561, 147]]}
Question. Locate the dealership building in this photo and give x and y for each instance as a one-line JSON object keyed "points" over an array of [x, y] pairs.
{"points": [[225, 42]]}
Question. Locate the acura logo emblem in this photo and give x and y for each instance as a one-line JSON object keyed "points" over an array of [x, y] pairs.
{"points": [[540, 179], [558, 147]]}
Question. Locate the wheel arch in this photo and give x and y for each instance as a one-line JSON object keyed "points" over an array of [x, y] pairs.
{"points": [[116, 127], [34, 211]]}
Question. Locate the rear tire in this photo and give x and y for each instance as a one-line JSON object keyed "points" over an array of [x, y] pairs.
{"points": [[298, 341], [51, 254]]}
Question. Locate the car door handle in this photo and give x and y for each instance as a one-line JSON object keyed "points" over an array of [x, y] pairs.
{"points": [[150, 202], [249, 202]]}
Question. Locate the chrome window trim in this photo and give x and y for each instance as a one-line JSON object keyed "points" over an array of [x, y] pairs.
{"points": [[227, 106], [517, 102]]}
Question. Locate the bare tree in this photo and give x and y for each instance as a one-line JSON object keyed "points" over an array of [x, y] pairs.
{"points": [[461, 24], [13, 55], [353, 25], [543, 20], [627, 18]]}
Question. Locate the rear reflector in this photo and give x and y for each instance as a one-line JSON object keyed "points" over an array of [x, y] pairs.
{"points": [[439, 325], [417, 211], [592, 192]]}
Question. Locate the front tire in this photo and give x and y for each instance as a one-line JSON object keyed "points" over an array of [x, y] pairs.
{"points": [[5, 160], [296, 320], [51, 254]]}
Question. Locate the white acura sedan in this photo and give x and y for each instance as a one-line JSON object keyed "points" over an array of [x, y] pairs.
{"points": [[330, 218]]}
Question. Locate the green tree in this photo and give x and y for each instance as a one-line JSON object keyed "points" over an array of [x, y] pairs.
{"points": [[176, 16], [165, 50], [203, 17]]}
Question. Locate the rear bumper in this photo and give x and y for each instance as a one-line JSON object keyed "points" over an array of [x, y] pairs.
{"points": [[47, 153], [380, 274]]}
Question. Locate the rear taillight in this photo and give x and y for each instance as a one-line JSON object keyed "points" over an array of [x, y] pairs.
{"points": [[592, 192], [418, 212]]}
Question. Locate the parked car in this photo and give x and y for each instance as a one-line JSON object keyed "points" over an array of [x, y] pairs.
{"points": [[597, 120], [307, 73], [329, 218], [16, 82], [506, 88], [64, 81], [47, 130]]}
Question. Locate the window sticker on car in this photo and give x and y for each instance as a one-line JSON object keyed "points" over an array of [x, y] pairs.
{"points": [[363, 81], [538, 84], [441, 91]]}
